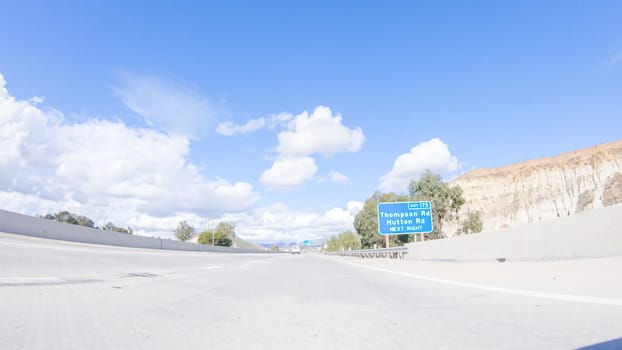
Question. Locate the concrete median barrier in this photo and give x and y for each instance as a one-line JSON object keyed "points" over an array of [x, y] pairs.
{"points": [[38, 227], [11, 222]]}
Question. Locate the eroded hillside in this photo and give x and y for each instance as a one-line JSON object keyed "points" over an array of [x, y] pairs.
{"points": [[544, 188]]}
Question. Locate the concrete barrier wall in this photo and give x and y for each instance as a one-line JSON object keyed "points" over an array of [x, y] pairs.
{"points": [[38, 227], [178, 245], [592, 234], [209, 248]]}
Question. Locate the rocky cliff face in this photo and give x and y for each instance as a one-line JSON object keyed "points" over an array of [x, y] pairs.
{"points": [[543, 189]]}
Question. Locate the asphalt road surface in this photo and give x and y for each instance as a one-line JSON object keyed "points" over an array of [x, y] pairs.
{"points": [[61, 295]]}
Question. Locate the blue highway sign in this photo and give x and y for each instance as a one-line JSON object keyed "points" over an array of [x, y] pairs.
{"points": [[404, 218]]}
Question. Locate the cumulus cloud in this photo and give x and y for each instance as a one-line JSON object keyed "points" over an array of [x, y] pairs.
{"points": [[280, 223], [337, 177], [229, 128], [289, 172], [105, 170], [334, 177], [433, 155], [319, 132], [305, 135], [167, 105]]}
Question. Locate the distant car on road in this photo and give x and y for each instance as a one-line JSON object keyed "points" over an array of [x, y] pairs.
{"points": [[295, 249]]}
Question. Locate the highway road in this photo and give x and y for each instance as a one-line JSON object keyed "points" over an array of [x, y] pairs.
{"points": [[62, 295]]}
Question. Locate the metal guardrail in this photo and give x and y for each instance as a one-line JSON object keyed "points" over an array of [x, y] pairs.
{"points": [[396, 253]]}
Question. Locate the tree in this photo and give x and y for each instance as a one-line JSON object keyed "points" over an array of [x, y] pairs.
{"points": [[222, 236], [473, 223], [446, 200], [344, 241], [227, 231], [70, 218], [219, 238], [366, 221], [111, 227], [184, 231]]}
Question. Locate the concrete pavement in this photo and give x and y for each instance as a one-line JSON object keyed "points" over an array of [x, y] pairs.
{"points": [[60, 295], [599, 277]]}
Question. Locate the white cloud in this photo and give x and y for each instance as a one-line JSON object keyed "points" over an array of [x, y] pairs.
{"points": [[4, 92], [337, 177], [319, 132], [289, 172], [279, 223], [105, 170], [168, 106], [229, 128], [280, 120], [433, 155], [306, 134], [334, 177]]}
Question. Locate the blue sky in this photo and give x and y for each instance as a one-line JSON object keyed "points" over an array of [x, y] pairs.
{"points": [[403, 86]]}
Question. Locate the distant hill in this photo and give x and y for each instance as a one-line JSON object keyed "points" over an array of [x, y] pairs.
{"points": [[544, 188], [278, 244]]}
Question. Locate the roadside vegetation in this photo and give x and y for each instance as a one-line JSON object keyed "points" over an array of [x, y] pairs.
{"points": [[446, 202], [80, 220], [184, 231], [473, 223], [347, 240], [221, 236]]}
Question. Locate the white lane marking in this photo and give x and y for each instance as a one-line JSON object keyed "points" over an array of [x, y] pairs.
{"points": [[522, 292], [212, 267]]}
